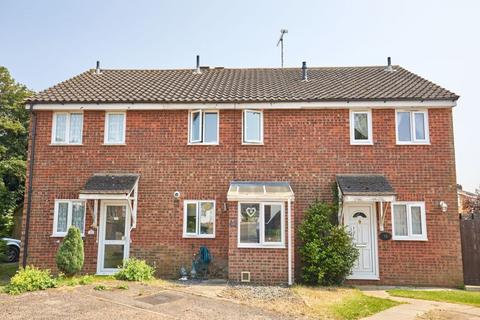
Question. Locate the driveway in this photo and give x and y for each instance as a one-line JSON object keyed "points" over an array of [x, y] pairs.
{"points": [[138, 302]]}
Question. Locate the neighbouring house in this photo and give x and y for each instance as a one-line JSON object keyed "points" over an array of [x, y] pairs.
{"points": [[156, 163], [463, 196]]}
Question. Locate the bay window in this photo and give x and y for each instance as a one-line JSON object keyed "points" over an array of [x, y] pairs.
{"points": [[409, 221], [261, 224], [203, 127], [67, 128], [68, 213], [199, 219]]}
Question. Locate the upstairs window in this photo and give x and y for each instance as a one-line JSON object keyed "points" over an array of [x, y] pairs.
{"points": [[252, 127], [67, 128], [115, 123], [199, 219], [409, 221], [68, 213], [412, 127], [203, 127], [361, 127]]}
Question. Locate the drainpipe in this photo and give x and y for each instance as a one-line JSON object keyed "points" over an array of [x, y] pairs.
{"points": [[290, 280], [33, 118]]}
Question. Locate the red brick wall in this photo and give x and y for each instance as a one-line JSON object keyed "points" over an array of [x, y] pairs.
{"points": [[305, 147]]}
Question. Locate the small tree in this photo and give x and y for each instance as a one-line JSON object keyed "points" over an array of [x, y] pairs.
{"points": [[70, 254], [328, 253], [472, 205]]}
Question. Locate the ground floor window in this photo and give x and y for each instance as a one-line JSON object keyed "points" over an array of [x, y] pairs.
{"points": [[409, 221], [68, 213], [199, 219], [261, 224]]}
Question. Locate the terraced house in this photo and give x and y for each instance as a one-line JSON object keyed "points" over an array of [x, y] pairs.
{"points": [[156, 163]]}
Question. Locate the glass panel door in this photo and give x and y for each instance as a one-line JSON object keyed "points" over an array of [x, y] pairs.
{"points": [[114, 239]]}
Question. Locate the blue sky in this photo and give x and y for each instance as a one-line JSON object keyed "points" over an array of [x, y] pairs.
{"points": [[44, 42]]}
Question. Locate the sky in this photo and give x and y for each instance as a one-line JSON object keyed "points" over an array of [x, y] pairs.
{"points": [[45, 42]]}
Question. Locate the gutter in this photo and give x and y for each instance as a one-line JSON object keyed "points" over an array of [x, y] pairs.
{"points": [[33, 118]]}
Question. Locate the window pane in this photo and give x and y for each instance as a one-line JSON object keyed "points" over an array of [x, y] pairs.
{"points": [[400, 218], [78, 215], [273, 223], [210, 127], [416, 220], [76, 122], [191, 218], [252, 130], [420, 126], [62, 217], [113, 256], [61, 127], [403, 126], [195, 126], [115, 222], [207, 217], [360, 121], [115, 128], [249, 223]]}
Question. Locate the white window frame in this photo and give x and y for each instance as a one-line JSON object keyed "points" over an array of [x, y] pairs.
{"points": [[414, 140], [197, 233], [244, 122], [352, 127], [201, 127], [67, 128], [70, 202], [105, 138], [261, 221], [410, 236]]}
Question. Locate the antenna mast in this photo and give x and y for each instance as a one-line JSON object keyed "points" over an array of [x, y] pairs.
{"points": [[280, 42]]}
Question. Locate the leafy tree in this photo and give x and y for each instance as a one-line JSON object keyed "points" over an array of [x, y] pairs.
{"points": [[327, 253], [14, 119], [70, 255], [472, 205]]}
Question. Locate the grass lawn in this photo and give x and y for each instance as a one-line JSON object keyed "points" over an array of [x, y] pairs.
{"points": [[454, 296], [341, 303], [7, 270], [313, 302]]}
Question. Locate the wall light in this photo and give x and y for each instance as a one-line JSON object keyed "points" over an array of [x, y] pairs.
{"points": [[443, 205]]}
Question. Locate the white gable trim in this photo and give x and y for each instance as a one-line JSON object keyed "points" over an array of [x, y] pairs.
{"points": [[273, 105]]}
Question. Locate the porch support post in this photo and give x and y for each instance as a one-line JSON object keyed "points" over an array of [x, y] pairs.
{"points": [[290, 280], [382, 217], [95, 217]]}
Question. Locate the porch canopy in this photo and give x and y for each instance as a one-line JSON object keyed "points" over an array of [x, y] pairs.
{"points": [[365, 187], [122, 186], [259, 190]]}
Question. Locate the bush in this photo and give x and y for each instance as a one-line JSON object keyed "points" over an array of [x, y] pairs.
{"points": [[70, 257], [30, 279], [135, 270], [328, 253]]}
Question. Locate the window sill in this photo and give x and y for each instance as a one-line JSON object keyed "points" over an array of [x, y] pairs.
{"points": [[66, 144], [413, 143], [188, 236], [409, 239], [252, 143], [260, 246], [202, 144], [358, 143], [114, 144]]}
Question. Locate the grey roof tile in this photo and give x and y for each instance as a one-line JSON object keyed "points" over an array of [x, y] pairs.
{"points": [[364, 184]]}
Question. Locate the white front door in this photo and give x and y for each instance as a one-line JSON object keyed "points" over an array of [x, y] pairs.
{"points": [[114, 236], [361, 221]]}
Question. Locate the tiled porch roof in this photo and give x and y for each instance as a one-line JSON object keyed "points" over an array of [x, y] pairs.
{"points": [[364, 184]]}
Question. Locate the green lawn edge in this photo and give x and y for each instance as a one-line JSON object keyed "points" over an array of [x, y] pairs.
{"points": [[452, 296], [361, 306]]}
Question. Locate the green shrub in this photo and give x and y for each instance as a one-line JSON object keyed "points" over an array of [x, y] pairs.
{"points": [[70, 257], [328, 253], [135, 270], [30, 279], [100, 287]]}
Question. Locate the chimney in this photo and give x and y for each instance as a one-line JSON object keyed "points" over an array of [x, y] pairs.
{"points": [[389, 65], [97, 69], [304, 71], [197, 69]]}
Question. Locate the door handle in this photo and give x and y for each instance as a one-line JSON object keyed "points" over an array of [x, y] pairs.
{"points": [[361, 245]]}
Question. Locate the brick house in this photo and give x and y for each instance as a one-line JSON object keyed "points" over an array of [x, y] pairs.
{"points": [[156, 163]]}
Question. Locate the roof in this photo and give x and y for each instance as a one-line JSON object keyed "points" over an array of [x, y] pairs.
{"points": [[225, 85], [110, 183], [364, 184], [259, 190]]}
